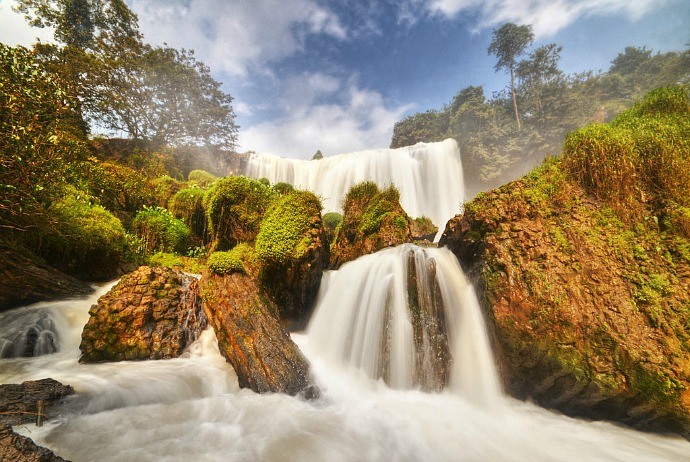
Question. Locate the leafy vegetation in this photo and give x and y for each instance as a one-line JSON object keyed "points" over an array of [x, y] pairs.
{"points": [[187, 205], [161, 231], [284, 237], [234, 208], [201, 178]]}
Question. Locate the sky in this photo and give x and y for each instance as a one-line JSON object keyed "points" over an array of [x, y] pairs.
{"points": [[335, 75]]}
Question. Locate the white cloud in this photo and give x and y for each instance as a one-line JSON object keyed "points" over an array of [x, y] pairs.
{"points": [[360, 120], [236, 37], [546, 16], [14, 30]]}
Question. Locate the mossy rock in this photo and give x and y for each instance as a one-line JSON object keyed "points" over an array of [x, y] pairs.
{"points": [[373, 219]]}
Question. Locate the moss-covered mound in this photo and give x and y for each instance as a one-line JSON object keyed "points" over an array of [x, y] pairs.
{"points": [[292, 251], [589, 299], [161, 231], [235, 207], [373, 219], [187, 205]]}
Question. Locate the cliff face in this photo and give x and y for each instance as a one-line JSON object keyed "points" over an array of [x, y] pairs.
{"points": [[590, 314]]}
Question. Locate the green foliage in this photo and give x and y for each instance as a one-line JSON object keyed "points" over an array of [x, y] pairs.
{"points": [[89, 241], [423, 226], [187, 205], [234, 208], [119, 188], [165, 188], [161, 231], [642, 156], [283, 237], [169, 260], [282, 188], [229, 262], [201, 178], [42, 139], [380, 205], [331, 220]]}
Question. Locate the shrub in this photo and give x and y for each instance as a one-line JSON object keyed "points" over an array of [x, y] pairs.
{"points": [[201, 178], [284, 236], [120, 189], [160, 230], [283, 188], [165, 187], [234, 208], [331, 220], [359, 195], [377, 208], [89, 241], [187, 205]]}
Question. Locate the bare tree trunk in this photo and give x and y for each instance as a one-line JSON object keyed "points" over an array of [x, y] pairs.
{"points": [[515, 106]]}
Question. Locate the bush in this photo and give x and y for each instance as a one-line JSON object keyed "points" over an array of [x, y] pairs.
{"points": [[331, 220], [283, 188], [120, 189], [201, 178], [234, 208], [89, 241], [160, 230], [377, 208], [187, 205], [284, 236], [165, 188]]}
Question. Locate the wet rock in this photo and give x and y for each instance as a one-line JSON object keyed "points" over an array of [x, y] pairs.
{"points": [[18, 405], [27, 281], [152, 313], [251, 337], [588, 313]]}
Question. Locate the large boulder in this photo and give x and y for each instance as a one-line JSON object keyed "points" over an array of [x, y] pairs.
{"points": [[373, 220], [18, 405], [152, 313], [590, 313], [251, 337], [26, 281], [292, 250]]}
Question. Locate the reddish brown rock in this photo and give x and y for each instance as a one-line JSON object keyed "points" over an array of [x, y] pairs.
{"points": [[152, 313], [251, 337], [590, 313]]}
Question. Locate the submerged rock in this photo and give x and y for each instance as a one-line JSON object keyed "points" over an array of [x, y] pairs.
{"points": [[251, 337], [152, 313], [18, 405], [590, 314]]}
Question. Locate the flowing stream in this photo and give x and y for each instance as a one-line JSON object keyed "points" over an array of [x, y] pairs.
{"points": [[428, 175], [191, 408]]}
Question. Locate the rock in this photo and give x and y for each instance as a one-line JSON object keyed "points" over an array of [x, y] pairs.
{"points": [[27, 281], [18, 406], [251, 338], [373, 220], [292, 248], [589, 314], [152, 313]]}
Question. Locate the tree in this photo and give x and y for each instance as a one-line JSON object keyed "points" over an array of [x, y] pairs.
{"points": [[41, 138], [318, 155], [540, 78], [509, 42]]}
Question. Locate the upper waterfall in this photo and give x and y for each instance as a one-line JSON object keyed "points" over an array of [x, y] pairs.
{"points": [[429, 176]]}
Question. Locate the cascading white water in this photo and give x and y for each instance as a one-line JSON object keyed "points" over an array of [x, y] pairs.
{"points": [[378, 302], [428, 175], [191, 408]]}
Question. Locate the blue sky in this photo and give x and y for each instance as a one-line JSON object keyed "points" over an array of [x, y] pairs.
{"points": [[335, 75]]}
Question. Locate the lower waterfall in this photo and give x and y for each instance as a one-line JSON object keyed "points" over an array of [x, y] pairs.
{"points": [[429, 176], [373, 405]]}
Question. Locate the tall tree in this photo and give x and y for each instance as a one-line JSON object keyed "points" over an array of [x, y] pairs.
{"points": [[509, 42], [539, 77]]}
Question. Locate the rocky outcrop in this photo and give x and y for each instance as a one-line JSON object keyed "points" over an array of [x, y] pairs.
{"points": [[27, 281], [251, 337], [293, 250], [152, 313], [590, 314], [373, 220], [18, 405]]}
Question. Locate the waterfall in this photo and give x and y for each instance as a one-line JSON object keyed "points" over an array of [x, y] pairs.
{"points": [[32, 332], [407, 315], [428, 175]]}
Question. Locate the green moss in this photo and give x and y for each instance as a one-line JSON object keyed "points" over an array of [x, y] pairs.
{"points": [[161, 231], [331, 220], [169, 260], [164, 187], [187, 205], [235, 207], [655, 386], [225, 262], [283, 188], [378, 207], [283, 236], [201, 178]]}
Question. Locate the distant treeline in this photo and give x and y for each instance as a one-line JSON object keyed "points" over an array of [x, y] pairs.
{"points": [[551, 104]]}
